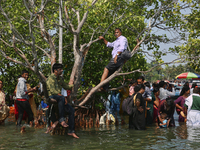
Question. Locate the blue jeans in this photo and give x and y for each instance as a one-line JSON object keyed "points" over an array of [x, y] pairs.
{"points": [[69, 110], [61, 106], [115, 108]]}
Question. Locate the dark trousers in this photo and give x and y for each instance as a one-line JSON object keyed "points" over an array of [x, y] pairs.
{"points": [[69, 110], [50, 114], [61, 103], [24, 106]]}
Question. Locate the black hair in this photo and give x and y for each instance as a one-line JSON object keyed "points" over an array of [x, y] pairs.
{"points": [[118, 29], [164, 115], [141, 77], [19, 76], [155, 90], [147, 84], [57, 66], [196, 90], [170, 85], [155, 85], [170, 102], [186, 84], [184, 89], [24, 71], [194, 85], [132, 82], [162, 83], [138, 87]]}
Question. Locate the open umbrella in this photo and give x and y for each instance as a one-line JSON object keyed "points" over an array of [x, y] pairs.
{"points": [[188, 75]]}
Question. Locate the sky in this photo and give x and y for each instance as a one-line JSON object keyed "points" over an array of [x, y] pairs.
{"points": [[163, 46], [169, 57]]}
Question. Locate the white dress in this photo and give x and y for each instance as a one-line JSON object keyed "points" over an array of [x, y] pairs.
{"points": [[193, 116]]}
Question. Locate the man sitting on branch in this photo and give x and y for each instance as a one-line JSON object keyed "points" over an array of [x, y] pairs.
{"points": [[55, 83], [54, 86]]}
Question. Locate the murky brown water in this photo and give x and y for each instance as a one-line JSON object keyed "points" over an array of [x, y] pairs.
{"points": [[105, 137]]}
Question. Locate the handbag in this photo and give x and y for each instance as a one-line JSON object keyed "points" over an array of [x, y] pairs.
{"points": [[126, 54]]}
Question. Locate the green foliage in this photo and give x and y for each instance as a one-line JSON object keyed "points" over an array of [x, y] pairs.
{"points": [[100, 17], [99, 106], [135, 13], [190, 49]]}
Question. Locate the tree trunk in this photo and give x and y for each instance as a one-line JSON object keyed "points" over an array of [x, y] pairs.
{"points": [[60, 34], [77, 75], [77, 69]]}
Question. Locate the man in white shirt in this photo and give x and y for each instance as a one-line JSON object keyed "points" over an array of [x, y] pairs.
{"points": [[119, 45], [165, 93]]}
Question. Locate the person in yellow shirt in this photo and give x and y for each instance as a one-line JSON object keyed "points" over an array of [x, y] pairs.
{"points": [[32, 102], [125, 93]]}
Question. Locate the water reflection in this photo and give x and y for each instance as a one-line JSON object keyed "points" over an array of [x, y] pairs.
{"points": [[104, 137], [193, 134]]}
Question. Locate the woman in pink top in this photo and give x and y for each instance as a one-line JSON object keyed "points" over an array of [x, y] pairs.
{"points": [[179, 102], [132, 85]]}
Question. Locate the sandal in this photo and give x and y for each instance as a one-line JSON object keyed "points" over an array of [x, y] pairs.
{"points": [[54, 125], [49, 129], [64, 124]]}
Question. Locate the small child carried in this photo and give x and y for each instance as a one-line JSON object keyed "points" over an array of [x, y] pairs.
{"points": [[164, 121]]}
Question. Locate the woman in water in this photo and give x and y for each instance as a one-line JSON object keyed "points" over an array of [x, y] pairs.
{"points": [[179, 102], [167, 106], [137, 119]]}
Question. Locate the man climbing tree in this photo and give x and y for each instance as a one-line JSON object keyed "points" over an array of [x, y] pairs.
{"points": [[119, 45]]}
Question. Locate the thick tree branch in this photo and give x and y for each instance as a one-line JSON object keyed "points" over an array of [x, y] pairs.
{"points": [[116, 73], [69, 21]]}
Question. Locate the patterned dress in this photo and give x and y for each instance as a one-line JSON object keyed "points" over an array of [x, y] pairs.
{"points": [[4, 109]]}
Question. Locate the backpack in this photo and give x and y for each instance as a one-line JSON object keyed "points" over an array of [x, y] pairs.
{"points": [[127, 105], [126, 54]]}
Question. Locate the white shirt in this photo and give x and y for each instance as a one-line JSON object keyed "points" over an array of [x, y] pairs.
{"points": [[119, 45], [191, 91], [165, 93], [64, 92]]}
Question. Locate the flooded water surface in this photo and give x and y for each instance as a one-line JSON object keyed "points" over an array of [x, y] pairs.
{"points": [[105, 137]]}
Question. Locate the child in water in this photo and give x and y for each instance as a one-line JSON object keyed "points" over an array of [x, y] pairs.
{"points": [[164, 120]]}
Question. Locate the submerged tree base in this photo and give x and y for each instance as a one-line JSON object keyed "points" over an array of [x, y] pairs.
{"points": [[84, 119]]}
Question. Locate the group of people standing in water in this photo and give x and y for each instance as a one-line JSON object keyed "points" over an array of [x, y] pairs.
{"points": [[25, 107], [158, 103], [155, 104]]}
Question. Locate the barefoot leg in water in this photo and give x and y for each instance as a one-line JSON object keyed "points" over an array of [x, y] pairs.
{"points": [[74, 135]]}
